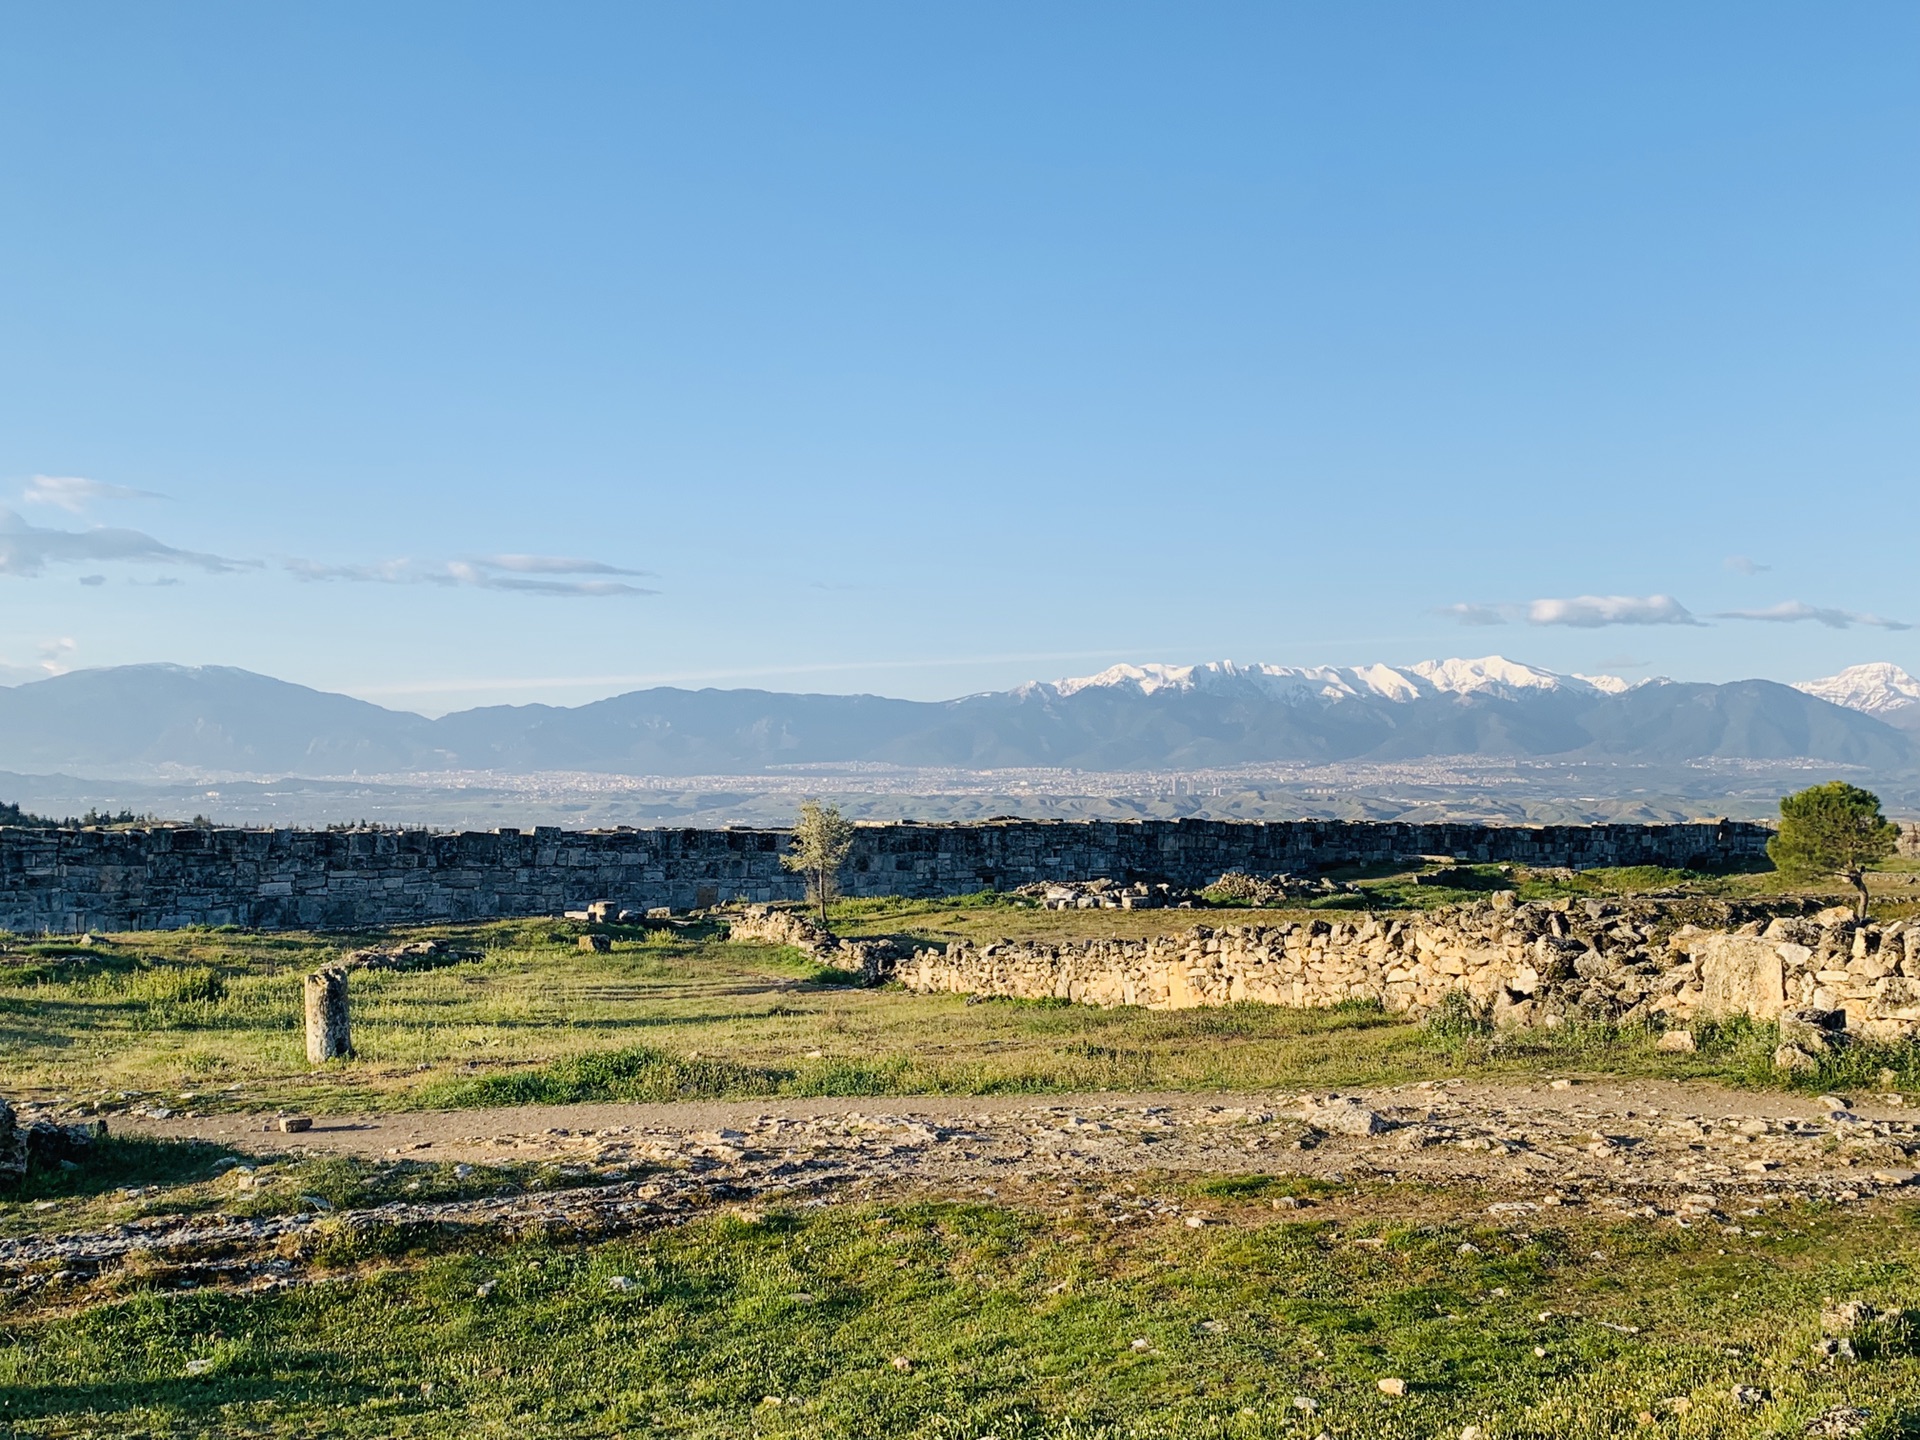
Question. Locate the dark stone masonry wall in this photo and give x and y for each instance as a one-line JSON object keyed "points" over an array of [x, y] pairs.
{"points": [[66, 881]]}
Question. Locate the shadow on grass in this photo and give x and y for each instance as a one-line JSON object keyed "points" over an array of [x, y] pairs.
{"points": [[124, 1162], [181, 1396]]}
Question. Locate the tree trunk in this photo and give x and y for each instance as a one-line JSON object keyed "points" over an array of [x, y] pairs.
{"points": [[329, 1036]]}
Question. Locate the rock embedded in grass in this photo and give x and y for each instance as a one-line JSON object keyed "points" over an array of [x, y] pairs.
{"points": [[1345, 1115]]}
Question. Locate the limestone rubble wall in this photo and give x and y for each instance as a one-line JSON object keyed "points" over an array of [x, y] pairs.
{"points": [[1521, 962], [65, 880], [869, 959]]}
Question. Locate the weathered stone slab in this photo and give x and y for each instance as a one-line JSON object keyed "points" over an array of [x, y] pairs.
{"points": [[1741, 975]]}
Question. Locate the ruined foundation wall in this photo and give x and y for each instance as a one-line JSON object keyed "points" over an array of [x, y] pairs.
{"points": [[70, 880], [1520, 963]]}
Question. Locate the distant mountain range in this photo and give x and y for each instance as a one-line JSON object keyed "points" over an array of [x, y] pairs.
{"points": [[171, 720], [1883, 691]]}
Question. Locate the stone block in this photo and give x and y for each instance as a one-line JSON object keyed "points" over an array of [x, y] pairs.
{"points": [[1740, 975]]}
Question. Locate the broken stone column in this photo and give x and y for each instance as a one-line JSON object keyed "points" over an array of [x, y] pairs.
{"points": [[329, 1036]]}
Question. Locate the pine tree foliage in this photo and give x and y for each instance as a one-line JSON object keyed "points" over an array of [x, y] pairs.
{"points": [[1833, 829]]}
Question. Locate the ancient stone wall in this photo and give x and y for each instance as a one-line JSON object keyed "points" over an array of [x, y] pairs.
{"points": [[869, 959], [1534, 964], [69, 880]]}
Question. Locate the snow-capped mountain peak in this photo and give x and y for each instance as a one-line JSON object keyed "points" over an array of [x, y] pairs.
{"points": [[1467, 677], [1879, 688], [1491, 674]]}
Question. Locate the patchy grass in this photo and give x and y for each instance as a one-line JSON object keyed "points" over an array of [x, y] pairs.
{"points": [[945, 1321], [635, 1073], [132, 1179], [215, 1026]]}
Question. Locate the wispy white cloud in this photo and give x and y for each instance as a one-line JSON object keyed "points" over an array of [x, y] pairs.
{"points": [[27, 550], [387, 572], [1592, 611], [74, 492], [525, 574], [1788, 612], [1479, 614], [550, 565], [1586, 612], [1746, 565], [53, 655]]}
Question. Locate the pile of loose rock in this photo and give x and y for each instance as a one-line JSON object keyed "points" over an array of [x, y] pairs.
{"points": [[1105, 895], [414, 955], [1236, 887]]}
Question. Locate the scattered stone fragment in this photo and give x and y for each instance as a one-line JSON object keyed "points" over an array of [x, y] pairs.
{"points": [[1839, 1422], [1795, 1061], [294, 1124], [1345, 1115], [1392, 1385], [1847, 1317]]}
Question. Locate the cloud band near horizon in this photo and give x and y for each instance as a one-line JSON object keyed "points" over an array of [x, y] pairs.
{"points": [[524, 574], [1595, 611]]}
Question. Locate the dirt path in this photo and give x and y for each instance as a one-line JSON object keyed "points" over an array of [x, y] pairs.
{"points": [[1691, 1153], [1604, 1136]]}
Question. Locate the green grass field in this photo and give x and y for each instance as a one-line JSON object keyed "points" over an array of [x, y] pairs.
{"points": [[207, 1023], [210, 1020], [1056, 1311], [950, 1320]]}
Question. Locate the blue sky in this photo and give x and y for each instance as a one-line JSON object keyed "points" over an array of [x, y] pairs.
{"points": [[473, 353]]}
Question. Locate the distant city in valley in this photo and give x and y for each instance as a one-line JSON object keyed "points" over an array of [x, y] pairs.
{"points": [[1486, 739]]}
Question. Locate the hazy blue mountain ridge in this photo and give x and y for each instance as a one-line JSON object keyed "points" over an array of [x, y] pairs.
{"points": [[170, 719]]}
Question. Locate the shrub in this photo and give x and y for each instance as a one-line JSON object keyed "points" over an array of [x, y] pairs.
{"points": [[1458, 1017]]}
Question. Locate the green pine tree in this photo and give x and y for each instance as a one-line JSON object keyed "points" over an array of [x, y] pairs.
{"points": [[1833, 829]]}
